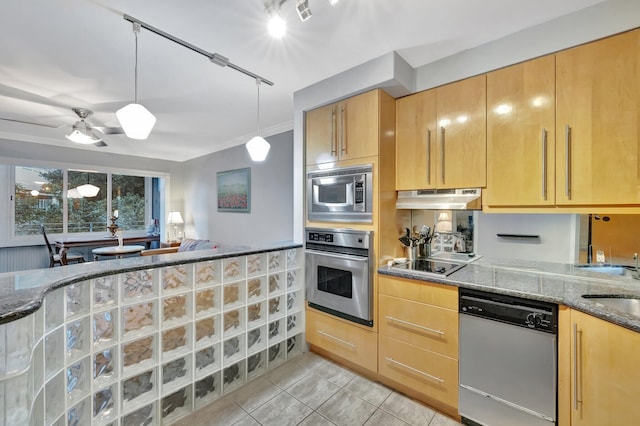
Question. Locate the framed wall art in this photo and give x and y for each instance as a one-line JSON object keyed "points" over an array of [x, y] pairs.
{"points": [[234, 190]]}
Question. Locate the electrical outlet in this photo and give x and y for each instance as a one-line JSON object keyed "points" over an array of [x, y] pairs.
{"points": [[600, 256]]}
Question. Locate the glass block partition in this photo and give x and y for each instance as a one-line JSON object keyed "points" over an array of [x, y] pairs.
{"points": [[150, 346]]}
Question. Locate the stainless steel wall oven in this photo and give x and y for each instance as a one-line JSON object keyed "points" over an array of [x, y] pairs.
{"points": [[339, 279]]}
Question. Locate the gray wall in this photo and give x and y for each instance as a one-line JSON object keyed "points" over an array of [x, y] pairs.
{"points": [[271, 213]]}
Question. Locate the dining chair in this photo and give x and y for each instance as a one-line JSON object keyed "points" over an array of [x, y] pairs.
{"points": [[54, 258]]}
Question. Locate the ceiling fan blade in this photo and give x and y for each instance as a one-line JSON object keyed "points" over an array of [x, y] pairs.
{"points": [[33, 123], [100, 144], [109, 130]]}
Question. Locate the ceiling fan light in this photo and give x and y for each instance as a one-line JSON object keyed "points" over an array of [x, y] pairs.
{"points": [[83, 135], [332, 2], [258, 148], [136, 121], [88, 190]]}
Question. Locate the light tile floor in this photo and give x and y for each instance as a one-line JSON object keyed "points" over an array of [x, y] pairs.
{"points": [[313, 391]]}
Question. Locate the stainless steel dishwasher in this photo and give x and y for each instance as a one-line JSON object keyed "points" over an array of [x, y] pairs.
{"points": [[508, 360]]}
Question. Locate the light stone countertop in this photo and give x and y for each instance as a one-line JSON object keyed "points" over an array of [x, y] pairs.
{"points": [[550, 282], [22, 292]]}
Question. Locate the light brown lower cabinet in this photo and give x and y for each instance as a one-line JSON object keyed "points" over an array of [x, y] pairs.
{"points": [[602, 386], [428, 373], [350, 342]]}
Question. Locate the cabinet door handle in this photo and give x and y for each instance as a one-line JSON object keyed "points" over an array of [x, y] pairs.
{"points": [[334, 136], [344, 342], [430, 330], [343, 133], [429, 156], [567, 165], [544, 164], [577, 382], [415, 370], [442, 152]]}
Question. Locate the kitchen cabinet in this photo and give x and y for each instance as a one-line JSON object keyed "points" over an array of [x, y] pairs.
{"points": [[445, 147], [521, 135], [604, 372], [416, 141], [346, 340], [344, 130], [598, 117], [418, 342]]}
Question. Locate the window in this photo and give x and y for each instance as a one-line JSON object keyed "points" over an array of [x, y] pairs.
{"points": [[128, 198], [92, 197], [38, 200]]}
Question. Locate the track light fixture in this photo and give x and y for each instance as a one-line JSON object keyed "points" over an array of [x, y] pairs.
{"points": [[302, 7]]}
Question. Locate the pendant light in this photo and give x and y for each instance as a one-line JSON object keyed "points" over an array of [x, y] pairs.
{"points": [[136, 121], [258, 147], [87, 190]]}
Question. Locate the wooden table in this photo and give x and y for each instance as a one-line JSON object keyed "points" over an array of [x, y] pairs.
{"points": [[63, 244], [117, 251]]}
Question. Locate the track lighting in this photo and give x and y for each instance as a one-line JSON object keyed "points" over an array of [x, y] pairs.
{"points": [[302, 7]]}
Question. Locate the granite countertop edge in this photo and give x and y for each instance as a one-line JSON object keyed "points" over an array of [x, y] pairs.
{"points": [[22, 292], [555, 283]]}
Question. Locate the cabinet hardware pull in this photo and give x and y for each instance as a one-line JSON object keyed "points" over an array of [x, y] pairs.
{"points": [[431, 330], [567, 165], [576, 357], [544, 164], [415, 370], [336, 339], [343, 133], [442, 153], [334, 136], [429, 156]]}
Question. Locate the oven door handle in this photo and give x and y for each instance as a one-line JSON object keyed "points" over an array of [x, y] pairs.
{"points": [[338, 256]]}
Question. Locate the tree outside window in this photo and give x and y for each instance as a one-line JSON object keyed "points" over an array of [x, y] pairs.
{"points": [[38, 200]]}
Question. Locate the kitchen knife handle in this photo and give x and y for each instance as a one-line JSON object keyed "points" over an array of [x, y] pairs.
{"points": [[544, 164], [442, 152], [567, 166], [429, 156]]}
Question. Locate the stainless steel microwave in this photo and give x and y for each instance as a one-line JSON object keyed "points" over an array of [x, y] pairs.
{"points": [[341, 195]]}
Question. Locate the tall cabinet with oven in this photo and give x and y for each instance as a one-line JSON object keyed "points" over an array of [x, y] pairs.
{"points": [[354, 132]]}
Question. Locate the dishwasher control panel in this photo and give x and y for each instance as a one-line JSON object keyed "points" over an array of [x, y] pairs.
{"points": [[512, 310]]}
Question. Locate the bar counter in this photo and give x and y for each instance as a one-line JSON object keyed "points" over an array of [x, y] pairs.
{"points": [[145, 340]]}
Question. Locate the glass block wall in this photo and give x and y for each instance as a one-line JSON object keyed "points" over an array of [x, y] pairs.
{"points": [[149, 347]]}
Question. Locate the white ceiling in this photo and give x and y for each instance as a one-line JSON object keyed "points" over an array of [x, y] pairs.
{"points": [[58, 54]]}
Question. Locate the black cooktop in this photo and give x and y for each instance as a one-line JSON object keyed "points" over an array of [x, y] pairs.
{"points": [[436, 267]]}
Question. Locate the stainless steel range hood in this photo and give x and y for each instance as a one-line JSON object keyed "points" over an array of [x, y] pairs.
{"points": [[440, 199]]}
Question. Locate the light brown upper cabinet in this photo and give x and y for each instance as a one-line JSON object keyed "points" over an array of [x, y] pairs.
{"points": [[441, 137], [598, 122], [521, 134], [416, 141], [344, 130]]}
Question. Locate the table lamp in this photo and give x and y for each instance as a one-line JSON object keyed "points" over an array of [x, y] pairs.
{"points": [[175, 219]]}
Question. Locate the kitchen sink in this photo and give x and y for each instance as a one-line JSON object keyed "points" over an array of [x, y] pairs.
{"points": [[620, 270], [620, 302]]}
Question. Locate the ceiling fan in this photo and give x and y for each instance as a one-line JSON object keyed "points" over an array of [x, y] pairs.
{"points": [[82, 132]]}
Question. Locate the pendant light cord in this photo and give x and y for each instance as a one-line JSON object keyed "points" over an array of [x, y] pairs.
{"points": [[136, 30], [258, 113]]}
